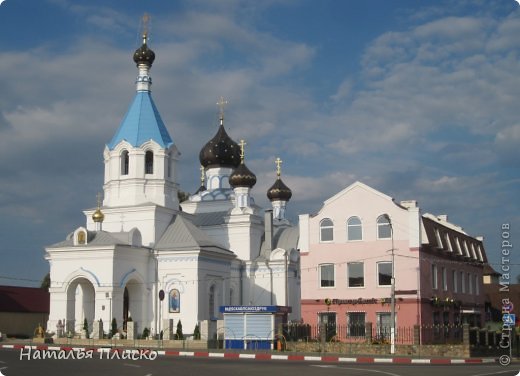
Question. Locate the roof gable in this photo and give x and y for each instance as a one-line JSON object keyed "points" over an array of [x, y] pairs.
{"points": [[181, 234]]}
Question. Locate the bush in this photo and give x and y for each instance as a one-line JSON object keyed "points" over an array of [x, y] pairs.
{"points": [[178, 334], [196, 332], [146, 333], [85, 327], [114, 327]]}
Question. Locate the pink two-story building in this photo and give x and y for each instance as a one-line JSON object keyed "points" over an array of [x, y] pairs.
{"points": [[346, 264]]}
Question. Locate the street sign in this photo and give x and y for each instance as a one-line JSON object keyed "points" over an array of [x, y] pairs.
{"points": [[509, 319]]}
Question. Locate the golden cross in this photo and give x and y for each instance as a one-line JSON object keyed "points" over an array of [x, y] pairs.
{"points": [[278, 162], [146, 19], [242, 153], [222, 103], [202, 175], [98, 199]]}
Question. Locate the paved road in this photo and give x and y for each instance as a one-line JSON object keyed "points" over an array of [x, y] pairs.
{"points": [[11, 365]]}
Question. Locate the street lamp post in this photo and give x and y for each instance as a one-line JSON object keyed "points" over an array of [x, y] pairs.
{"points": [[392, 291]]}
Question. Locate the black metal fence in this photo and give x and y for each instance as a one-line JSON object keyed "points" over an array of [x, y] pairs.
{"points": [[426, 334]]}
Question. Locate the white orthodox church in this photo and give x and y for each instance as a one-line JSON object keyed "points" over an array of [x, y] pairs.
{"points": [[216, 248]]}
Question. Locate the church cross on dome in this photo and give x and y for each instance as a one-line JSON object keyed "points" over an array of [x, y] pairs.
{"points": [[242, 150], [222, 103], [278, 162], [146, 21]]}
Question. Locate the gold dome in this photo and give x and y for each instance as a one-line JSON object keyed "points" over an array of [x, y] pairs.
{"points": [[98, 216]]}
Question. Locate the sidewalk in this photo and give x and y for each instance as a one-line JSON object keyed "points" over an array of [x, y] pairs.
{"points": [[233, 354]]}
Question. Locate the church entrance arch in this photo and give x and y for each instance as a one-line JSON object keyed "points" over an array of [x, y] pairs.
{"points": [[133, 302], [81, 305]]}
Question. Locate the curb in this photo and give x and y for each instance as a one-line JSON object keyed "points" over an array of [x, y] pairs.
{"points": [[128, 353]]}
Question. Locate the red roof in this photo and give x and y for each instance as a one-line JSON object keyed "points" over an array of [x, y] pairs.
{"points": [[24, 299]]}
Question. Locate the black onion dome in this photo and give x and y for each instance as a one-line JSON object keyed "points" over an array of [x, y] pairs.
{"points": [[220, 151], [242, 177], [279, 191], [144, 55]]}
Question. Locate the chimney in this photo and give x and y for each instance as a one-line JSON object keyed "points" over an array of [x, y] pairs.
{"points": [[409, 204], [443, 217]]}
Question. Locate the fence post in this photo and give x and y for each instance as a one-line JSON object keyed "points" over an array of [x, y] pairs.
{"points": [[323, 336], [465, 334], [416, 335], [368, 332]]}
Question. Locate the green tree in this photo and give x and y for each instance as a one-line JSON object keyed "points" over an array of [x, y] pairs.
{"points": [[182, 196], [178, 334], [114, 326], [196, 332], [46, 282], [85, 327]]}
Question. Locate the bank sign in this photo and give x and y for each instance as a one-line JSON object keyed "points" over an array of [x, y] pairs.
{"points": [[255, 309]]}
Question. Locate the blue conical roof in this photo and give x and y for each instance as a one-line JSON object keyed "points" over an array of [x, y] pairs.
{"points": [[142, 123]]}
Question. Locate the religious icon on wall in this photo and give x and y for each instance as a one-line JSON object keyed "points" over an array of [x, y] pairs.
{"points": [[175, 301]]}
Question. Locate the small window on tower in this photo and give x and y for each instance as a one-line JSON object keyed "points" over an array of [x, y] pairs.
{"points": [[81, 237], [148, 162], [124, 162]]}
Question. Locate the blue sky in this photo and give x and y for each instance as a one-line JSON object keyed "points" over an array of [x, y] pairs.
{"points": [[418, 99]]}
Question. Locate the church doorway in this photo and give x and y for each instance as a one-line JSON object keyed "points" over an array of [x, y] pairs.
{"points": [[134, 298], [81, 305]]}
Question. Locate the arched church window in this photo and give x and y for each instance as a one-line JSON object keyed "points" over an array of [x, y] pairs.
{"points": [[148, 162], [211, 302], [125, 162]]}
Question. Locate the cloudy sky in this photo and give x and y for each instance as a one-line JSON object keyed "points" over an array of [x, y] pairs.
{"points": [[418, 99]]}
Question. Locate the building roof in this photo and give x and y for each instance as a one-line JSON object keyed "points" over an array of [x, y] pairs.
{"points": [[97, 238], [142, 123], [182, 234], [24, 299], [444, 238]]}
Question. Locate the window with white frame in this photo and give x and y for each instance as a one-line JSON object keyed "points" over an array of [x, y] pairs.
{"points": [[384, 273], [327, 275], [124, 162], [454, 281], [438, 238], [448, 242], [326, 230], [148, 162], [384, 229], [459, 249], [355, 274], [435, 283], [463, 282], [444, 273], [470, 284], [354, 229]]}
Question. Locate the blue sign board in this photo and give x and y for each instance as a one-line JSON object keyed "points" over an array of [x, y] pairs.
{"points": [[509, 319], [255, 309]]}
